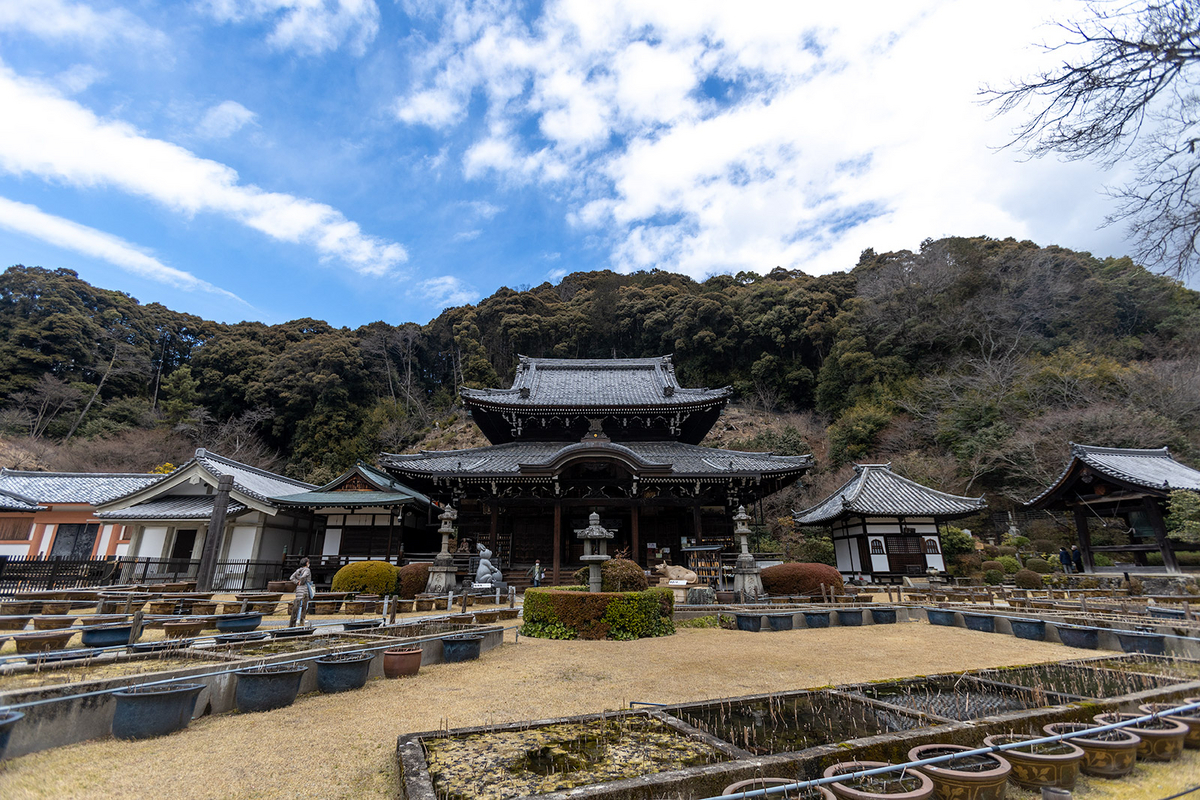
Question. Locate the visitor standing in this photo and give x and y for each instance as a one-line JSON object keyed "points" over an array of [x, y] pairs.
{"points": [[1077, 557], [536, 572], [1064, 558], [304, 593]]}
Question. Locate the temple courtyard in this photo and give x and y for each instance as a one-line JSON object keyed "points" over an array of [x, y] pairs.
{"points": [[344, 745]]}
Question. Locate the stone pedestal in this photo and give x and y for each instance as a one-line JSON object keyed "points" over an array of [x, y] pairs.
{"points": [[747, 582], [442, 577]]}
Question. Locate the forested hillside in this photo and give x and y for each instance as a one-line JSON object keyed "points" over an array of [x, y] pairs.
{"points": [[969, 364]]}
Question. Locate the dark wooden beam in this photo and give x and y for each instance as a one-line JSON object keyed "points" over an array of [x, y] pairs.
{"points": [[1154, 513], [634, 544], [557, 541], [1085, 538]]}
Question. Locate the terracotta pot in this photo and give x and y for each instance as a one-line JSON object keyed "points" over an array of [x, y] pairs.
{"points": [[206, 607], [41, 642], [1162, 739], [461, 619], [975, 778], [811, 793], [487, 617], [326, 606], [14, 623], [1059, 767], [355, 607], [402, 606], [918, 785], [283, 587], [401, 663], [424, 605], [52, 623], [161, 607], [14, 608], [508, 613], [56, 607], [1112, 754], [1189, 718], [177, 629]]}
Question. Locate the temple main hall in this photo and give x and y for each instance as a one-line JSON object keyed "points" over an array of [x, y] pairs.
{"points": [[619, 437]]}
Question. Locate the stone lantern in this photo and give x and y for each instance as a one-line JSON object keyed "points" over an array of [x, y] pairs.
{"points": [[747, 582], [442, 573], [594, 536]]}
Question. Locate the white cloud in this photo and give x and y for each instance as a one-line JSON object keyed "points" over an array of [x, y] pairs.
{"points": [[310, 27], [32, 221], [224, 120], [77, 78], [467, 236], [704, 136], [445, 291], [483, 209], [46, 135], [59, 20]]}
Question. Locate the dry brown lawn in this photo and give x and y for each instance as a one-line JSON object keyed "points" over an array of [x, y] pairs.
{"points": [[344, 745]]}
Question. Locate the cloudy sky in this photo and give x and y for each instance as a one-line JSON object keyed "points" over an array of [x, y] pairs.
{"points": [[355, 160]]}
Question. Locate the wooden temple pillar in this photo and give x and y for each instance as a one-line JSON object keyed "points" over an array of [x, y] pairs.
{"points": [[1154, 513], [1085, 538], [634, 544], [557, 540]]}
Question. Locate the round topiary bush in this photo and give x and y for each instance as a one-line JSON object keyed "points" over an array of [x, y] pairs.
{"points": [[966, 564], [1039, 565], [992, 565], [993, 577], [1027, 579], [616, 575], [1010, 564], [411, 580], [799, 578], [370, 577], [990, 550], [1044, 546], [1007, 550]]}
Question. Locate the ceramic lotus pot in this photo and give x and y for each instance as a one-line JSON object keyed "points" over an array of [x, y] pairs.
{"points": [[268, 687], [423, 605], [181, 629], [1162, 739], [749, 622], [8, 720], [147, 711], [52, 623], [1079, 636], [816, 619], [342, 672], [978, 777], [1154, 644], [204, 607], [849, 617], [1189, 718], [509, 613], [403, 606], [487, 617], [107, 635], [780, 622], [461, 648], [41, 642], [908, 785], [401, 663], [939, 616], [1055, 764], [883, 616], [1112, 754], [984, 623], [811, 793], [17, 623], [282, 587], [238, 623], [14, 607], [1032, 629], [56, 607]]}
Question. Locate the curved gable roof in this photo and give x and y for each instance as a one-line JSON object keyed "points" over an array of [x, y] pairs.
{"points": [[1153, 469], [876, 491], [91, 488]]}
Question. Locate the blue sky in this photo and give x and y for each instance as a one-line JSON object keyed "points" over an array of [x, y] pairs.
{"points": [[355, 160]]}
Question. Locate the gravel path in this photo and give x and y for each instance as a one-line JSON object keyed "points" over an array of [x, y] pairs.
{"points": [[344, 745]]}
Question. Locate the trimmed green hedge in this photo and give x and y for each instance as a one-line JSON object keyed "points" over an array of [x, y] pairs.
{"points": [[369, 577], [616, 575], [567, 613]]}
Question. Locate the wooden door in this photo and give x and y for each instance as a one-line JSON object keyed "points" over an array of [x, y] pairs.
{"points": [[906, 555]]}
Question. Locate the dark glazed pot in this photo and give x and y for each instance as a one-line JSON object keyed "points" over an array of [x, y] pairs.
{"points": [[1162, 739], [1112, 754], [401, 663], [917, 786], [749, 622], [816, 619], [883, 616], [235, 638], [1032, 629], [1056, 765], [984, 623], [8, 719], [238, 623], [1154, 644], [343, 672], [811, 793], [982, 777], [461, 648], [1078, 636], [780, 622], [148, 711], [267, 687], [107, 636], [939, 616], [287, 633], [362, 624], [849, 617]]}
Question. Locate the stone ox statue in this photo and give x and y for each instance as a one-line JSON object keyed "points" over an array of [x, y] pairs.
{"points": [[673, 573]]}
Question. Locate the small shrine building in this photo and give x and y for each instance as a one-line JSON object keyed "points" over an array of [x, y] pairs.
{"points": [[886, 527], [1116, 483], [618, 437]]}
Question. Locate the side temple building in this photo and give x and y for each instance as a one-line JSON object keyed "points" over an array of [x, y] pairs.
{"points": [[619, 437]]}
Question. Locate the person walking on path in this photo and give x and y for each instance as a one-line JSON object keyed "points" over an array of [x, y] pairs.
{"points": [[1064, 558], [536, 573], [1077, 557], [303, 579]]}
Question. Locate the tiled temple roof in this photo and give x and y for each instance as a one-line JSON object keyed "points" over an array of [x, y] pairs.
{"points": [[876, 491], [386, 491], [1151, 469], [172, 506], [92, 488], [12, 501]]}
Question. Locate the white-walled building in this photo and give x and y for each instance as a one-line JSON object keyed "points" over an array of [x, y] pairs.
{"points": [[884, 526]]}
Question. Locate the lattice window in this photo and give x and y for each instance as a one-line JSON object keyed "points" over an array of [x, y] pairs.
{"points": [[15, 530], [931, 547], [877, 547]]}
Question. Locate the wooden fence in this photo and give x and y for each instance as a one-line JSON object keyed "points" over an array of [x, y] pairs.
{"points": [[19, 573]]}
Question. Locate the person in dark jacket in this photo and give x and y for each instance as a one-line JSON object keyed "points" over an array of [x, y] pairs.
{"points": [[1077, 557], [1064, 558]]}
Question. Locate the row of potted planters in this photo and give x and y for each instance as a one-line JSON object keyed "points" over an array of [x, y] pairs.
{"points": [[1082, 636], [984, 776], [847, 617], [56, 641]]}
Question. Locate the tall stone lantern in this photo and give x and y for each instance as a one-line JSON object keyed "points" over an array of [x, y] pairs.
{"points": [[747, 582], [594, 536], [442, 574]]}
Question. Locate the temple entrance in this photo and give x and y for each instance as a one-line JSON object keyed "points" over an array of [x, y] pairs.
{"points": [[74, 541]]}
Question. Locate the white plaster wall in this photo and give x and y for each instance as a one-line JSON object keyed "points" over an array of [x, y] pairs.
{"points": [[842, 548], [272, 544], [14, 549], [931, 560], [241, 542], [153, 542], [333, 542], [879, 562]]}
